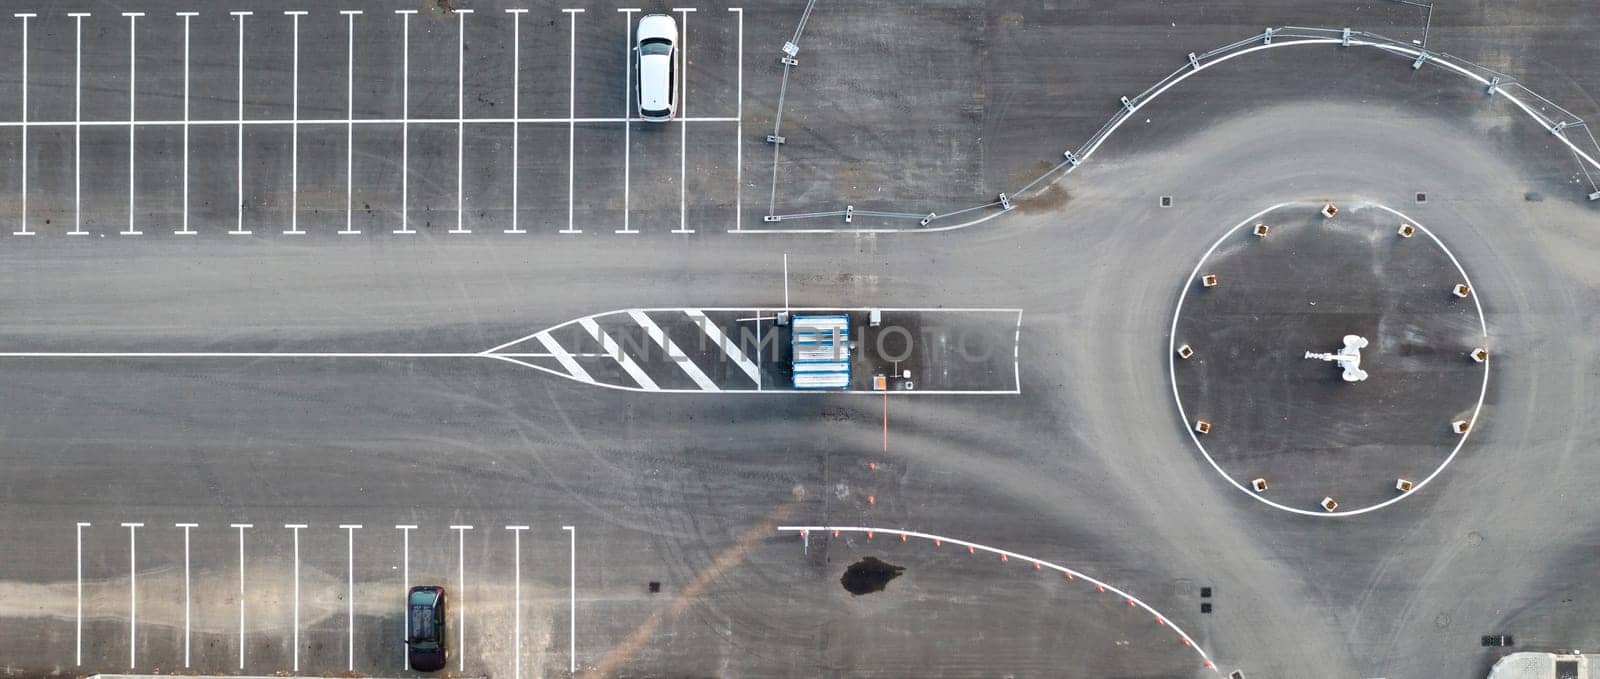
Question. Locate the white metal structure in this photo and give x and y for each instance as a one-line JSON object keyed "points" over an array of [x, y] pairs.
{"points": [[655, 52]]}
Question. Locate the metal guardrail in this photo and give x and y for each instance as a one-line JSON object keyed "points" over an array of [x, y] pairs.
{"points": [[1573, 131]]}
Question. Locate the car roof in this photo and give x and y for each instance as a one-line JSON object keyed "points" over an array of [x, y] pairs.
{"points": [[655, 75]]}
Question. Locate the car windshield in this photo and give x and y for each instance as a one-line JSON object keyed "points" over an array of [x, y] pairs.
{"points": [[655, 47]]}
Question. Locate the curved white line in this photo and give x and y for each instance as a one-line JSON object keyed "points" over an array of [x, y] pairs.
{"points": [[1354, 42], [1160, 619], [1172, 371]]}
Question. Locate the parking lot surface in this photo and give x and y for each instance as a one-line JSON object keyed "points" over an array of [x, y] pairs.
{"points": [[301, 309]]}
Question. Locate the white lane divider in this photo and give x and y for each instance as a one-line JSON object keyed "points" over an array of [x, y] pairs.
{"points": [[733, 352], [565, 359], [623, 359], [673, 352]]}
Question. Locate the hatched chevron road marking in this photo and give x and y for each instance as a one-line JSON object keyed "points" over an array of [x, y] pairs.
{"points": [[733, 351], [673, 352], [622, 358], [566, 360]]}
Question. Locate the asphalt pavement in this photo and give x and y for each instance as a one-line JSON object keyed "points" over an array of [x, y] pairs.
{"points": [[247, 401]]}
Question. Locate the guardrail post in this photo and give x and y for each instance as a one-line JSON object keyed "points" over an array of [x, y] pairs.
{"points": [[1194, 62], [1071, 157], [1420, 59], [1345, 41], [1266, 37], [1494, 84], [1127, 105]]}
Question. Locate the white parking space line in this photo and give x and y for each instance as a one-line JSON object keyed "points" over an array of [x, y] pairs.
{"points": [[405, 587], [562, 357], [616, 353], [461, 596], [238, 201], [24, 16], [350, 591], [132, 87], [405, 117], [516, 601], [186, 614], [572, 601], [673, 352], [78, 117], [296, 528], [572, 107], [627, 112], [729, 348], [294, 134], [241, 527], [133, 592], [683, 130], [516, 109], [461, 56], [79, 645], [349, 116], [738, 163]]}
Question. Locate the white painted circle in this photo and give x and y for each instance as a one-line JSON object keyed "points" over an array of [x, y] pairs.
{"points": [[1172, 367]]}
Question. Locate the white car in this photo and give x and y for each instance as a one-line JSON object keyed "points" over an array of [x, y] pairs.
{"points": [[655, 52]]}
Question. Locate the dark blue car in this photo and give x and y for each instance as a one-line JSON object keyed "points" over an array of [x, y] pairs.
{"points": [[425, 628]]}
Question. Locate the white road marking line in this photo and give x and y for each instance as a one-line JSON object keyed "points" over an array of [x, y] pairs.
{"points": [[24, 16], [350, 590], [79, 644], [616, 353], [729, 348], [233, 122], [245, 355], [405, 124], [683, 130], [562, 357], [738, 164], [241, 527], [133, 61], [294, 137], [516, 601], [238, 226], [461, 596], [185, 231], [673, 352], [572, 601], [461, 56], [133, 592], [516, 109], [405, 586], [77, 117], [1016, 354], [349, 118], [186, 616], [296, 528], [627, 112], [758, 349], [572, 106]]}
